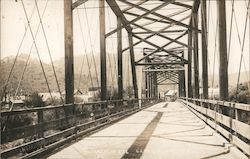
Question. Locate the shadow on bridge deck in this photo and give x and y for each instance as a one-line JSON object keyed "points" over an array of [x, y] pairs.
{"points": [[161, 131]]}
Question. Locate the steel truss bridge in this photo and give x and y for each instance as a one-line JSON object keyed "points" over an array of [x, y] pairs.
{"points": [[193, 126]]}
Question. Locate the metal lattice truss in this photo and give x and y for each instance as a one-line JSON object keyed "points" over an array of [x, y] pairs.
{"points": [[161, 24], [153, 23]]}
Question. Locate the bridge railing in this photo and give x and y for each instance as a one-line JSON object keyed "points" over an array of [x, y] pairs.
{"points": [[32, 131], [235, 125]]}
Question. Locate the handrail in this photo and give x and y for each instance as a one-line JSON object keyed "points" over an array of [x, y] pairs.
{"points": [[238, 132], [80, 122], [241, 106], [29, 110]]}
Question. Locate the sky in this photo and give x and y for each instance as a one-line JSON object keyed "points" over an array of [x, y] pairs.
{"points": [[86, 35]]}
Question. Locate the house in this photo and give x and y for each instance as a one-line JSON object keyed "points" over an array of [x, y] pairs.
{"points": [[93, 91], [17, 102], [46, 96], [171, 95]]}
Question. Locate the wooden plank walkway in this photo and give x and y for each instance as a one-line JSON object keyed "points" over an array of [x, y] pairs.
{"points": [[163, 131]]}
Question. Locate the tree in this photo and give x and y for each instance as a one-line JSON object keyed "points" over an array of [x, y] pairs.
{"points": [[129, 92], [35, 100], [242, 95]]}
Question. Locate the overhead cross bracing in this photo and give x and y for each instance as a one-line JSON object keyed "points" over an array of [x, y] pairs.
{"points": [[162, 26]]}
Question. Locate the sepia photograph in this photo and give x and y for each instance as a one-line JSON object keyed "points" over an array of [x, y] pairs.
{"points": [[125, 79]]}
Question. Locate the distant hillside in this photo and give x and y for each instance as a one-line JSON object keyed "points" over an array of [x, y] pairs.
{"points": [[111, 68], [33, 78], [232, 79], [95, 69]]}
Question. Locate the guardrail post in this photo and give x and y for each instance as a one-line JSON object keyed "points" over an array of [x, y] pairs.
{"points": [[107, 108], [236, 112], [40, 121], [215, 116]]}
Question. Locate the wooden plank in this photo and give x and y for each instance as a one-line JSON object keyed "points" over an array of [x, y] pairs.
{"points": [[224, 132], [224, 119], [241, 128], [241, 144], [211, 113], [211, 123], [240, 106]]}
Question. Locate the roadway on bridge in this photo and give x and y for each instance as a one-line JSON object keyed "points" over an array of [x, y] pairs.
{"points": [[163, 131]]}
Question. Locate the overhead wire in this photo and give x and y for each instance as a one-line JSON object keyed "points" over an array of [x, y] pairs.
{"points": [[239, 39], [215, 52], [16, 57], [37, 51], [230, 32], [84, 46], [249, 53], [91, 44], [113, 45], [48, 48], [242, 47], [27, 60], [110, 65], [81, 71], [208, 28]]}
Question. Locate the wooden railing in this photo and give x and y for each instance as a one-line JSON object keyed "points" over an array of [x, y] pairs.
{"points": [[234, 124], [50, 127]]}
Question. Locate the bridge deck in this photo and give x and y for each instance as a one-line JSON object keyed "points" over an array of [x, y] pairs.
{"points": [[161, 131]]}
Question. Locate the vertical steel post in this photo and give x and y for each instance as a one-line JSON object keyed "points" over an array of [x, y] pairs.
{"points": [[119, 51], [190, 90], [155, 84], [196, 56], [223, 68], [184, 83], [146, 84], [132, 60], [103, 50], [146, 77], [204, 49], [181, 82], [69, 59], [149, 85]]}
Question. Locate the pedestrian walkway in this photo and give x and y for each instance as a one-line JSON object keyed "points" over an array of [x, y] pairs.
{"points": [[163, 131]]}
